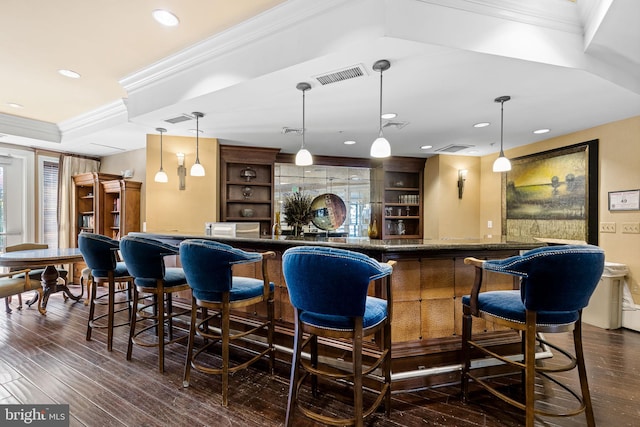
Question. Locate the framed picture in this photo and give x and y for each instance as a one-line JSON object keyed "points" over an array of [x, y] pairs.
{"points": [[552, 195], [628, 200]]}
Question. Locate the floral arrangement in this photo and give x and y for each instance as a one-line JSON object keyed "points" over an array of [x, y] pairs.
{"points": [[297, 209]]}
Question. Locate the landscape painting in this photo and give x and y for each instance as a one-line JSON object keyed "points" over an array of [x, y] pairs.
{"points": [[547, 195]]}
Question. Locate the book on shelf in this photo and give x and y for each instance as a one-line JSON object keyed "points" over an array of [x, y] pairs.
{"points": [[86, 221]]}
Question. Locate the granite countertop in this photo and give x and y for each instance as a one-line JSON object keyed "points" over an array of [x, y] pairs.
{"points": [[358, 243]]}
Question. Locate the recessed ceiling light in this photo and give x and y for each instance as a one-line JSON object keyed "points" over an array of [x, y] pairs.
{"points": [[69, 73], [389, 116], [349, 142], [539, 131], [165, 17], [426, 147], [196, 131], [14, 105], [481, 125]]}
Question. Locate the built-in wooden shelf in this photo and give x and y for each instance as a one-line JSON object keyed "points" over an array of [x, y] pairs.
{"points": [[246, 184]]}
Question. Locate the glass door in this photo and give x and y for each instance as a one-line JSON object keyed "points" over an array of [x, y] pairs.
{"points": [[16, 197]]}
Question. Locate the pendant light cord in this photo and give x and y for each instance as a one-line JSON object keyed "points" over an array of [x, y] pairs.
{"points": [[303, 94], [502, 100], [380, 115], [161, 131], [160, 150], [197, 139], [501, 127]]}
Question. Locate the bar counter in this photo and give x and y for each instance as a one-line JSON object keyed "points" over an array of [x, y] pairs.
{"points": [[428, 282]]}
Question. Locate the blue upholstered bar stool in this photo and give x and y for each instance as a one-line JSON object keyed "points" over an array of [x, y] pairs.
{"points": [[556, 283], [100, 253], [328, 290], [208, 267], [145, 261]]}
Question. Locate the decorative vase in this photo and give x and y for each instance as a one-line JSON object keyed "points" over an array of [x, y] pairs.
{"points": [[373, 229], [275, 231]]}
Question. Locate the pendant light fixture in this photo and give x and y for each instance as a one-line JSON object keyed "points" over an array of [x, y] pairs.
{"points": [[197, 169], [502, 164], [303, 157], [161, 175], [381, 147]]}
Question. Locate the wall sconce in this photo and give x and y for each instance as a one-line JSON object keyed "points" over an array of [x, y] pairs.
{"points": [[462, 177], [182, 171]]}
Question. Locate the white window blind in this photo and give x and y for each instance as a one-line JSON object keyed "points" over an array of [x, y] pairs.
{"points": [[50, 203]]}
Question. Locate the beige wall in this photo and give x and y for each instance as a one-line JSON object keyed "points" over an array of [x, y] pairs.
{"points": [[445, 215], [169, 209], [619, 151], [135, 161]]}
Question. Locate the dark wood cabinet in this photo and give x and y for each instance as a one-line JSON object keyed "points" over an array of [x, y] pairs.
{"points": [[89, 197], [246, 185], [396, 196], [121, 207]]}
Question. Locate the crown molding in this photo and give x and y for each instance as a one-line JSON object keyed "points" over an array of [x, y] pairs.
{"points": [[29, 128], [270, 22], [108, 115], [554, 14]]}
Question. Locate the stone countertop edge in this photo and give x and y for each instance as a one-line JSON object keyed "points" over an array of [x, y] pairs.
{"points": [[395, 245]]}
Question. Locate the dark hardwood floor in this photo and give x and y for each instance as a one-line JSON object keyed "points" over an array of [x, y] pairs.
{"points": [[46, 360]]}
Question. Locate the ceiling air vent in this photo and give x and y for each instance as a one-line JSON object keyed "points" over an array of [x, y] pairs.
{"points": [[287, 130], [181, 118], [454, 148], [394, 124], [340, 75]]}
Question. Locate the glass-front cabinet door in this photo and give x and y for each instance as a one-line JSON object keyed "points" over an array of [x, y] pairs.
{"points": [[351, 184]]}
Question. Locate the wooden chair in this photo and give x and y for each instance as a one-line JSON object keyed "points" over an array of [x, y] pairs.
{"points": [[15, 283], [208, 268], [328, 290], [34, 274], [556, 284], [145, 261]]}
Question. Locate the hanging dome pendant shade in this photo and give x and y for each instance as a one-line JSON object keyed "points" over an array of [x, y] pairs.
{"points": [[303, 157], [381, 147], [502, 164], [197, 169], [161, 175]]}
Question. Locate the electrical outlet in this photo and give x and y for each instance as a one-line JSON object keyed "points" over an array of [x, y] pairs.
{"points": [[607, 227], [631, 227]]}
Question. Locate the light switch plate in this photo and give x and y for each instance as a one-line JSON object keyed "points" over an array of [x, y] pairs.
{"points": [[607, 227], [631, 227]]}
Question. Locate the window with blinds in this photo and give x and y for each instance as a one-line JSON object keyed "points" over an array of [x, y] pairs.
{"points": [[50, 203]]}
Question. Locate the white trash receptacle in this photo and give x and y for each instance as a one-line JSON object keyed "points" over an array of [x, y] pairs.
{"points": [[605, 306]]}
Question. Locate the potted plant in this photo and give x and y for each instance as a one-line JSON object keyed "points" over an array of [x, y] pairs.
{"points": [[297, 210]]}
